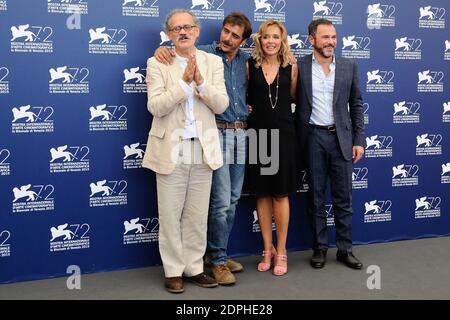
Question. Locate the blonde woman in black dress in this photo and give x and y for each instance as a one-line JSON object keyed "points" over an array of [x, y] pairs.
{"points": [[271, 88]]}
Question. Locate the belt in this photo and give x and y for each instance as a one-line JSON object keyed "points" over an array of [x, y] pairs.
{"points": [[232, 125], [329, 128]]}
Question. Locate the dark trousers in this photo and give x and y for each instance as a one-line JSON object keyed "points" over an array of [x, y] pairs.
{"points": [[325, 160]]}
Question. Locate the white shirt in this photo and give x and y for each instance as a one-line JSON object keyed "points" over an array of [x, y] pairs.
{"points": [[190, 129], [322, 94]]}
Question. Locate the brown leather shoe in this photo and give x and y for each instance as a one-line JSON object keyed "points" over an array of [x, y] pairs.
{"points": [[174, 284], [234, 266], [223, 275], [203, 280]]}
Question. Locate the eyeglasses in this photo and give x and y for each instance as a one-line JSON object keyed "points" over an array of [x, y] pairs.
{"points": [[186, 27]]}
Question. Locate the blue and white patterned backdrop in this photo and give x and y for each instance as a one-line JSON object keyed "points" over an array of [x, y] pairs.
{"points": [[74, 123]]}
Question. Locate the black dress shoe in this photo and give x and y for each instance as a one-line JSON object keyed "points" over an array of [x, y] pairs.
{"points": [[318, 258], [349, 259]]}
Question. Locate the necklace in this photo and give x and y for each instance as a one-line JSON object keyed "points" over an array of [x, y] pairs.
{"points": [[273, 105]]}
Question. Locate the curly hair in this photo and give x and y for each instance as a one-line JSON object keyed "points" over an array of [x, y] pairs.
{"points": [[258, 53]]}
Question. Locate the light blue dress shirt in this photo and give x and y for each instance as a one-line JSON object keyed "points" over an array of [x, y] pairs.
{"points": [[322, 94]]}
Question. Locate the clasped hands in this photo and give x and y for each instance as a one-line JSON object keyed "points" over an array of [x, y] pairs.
{"points": [[192, 72]]}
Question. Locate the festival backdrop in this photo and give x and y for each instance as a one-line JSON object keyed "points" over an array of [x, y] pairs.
{"points": [[74, 126]]}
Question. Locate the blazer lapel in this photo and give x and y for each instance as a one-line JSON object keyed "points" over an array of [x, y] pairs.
{"points": [[175, 74], [201, 63], [174, 71], [338, 78], [307, 78]]}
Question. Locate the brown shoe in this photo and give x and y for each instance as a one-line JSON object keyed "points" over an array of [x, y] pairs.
{"points": [[223, 275], [203, 280], [234, 266], [174, 284]]}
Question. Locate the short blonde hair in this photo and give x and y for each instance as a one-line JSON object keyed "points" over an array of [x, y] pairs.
{"points": [[258, 53]]}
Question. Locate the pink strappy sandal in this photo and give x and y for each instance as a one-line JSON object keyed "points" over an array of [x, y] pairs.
{"points": [[264, 266], [280, 270]]}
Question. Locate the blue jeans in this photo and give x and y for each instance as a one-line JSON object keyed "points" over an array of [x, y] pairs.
{"points": [[225, 192]]}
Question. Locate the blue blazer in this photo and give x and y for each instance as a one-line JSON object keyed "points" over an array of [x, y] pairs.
{"points": [[347, 105]]}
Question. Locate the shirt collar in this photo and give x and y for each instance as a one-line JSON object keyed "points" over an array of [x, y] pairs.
{"points": [[217, 49], [332, 63]]}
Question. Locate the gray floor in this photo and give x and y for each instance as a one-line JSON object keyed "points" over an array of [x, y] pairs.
{"points": [[416, 269]]}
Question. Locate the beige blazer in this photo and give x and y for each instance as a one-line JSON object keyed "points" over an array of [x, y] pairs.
{"points": [[166, 102]]}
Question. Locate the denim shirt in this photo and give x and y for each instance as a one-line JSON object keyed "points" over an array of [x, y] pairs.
{"points": [[235, 82]]}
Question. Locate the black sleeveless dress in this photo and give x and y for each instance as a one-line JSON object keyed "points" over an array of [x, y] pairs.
{"points": [[264, 177]]}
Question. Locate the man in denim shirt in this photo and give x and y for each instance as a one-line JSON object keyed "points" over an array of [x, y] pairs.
{"points": [[227, 180]]}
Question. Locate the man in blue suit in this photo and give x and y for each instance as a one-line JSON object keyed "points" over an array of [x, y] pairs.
{"points": [[330, 124]]}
